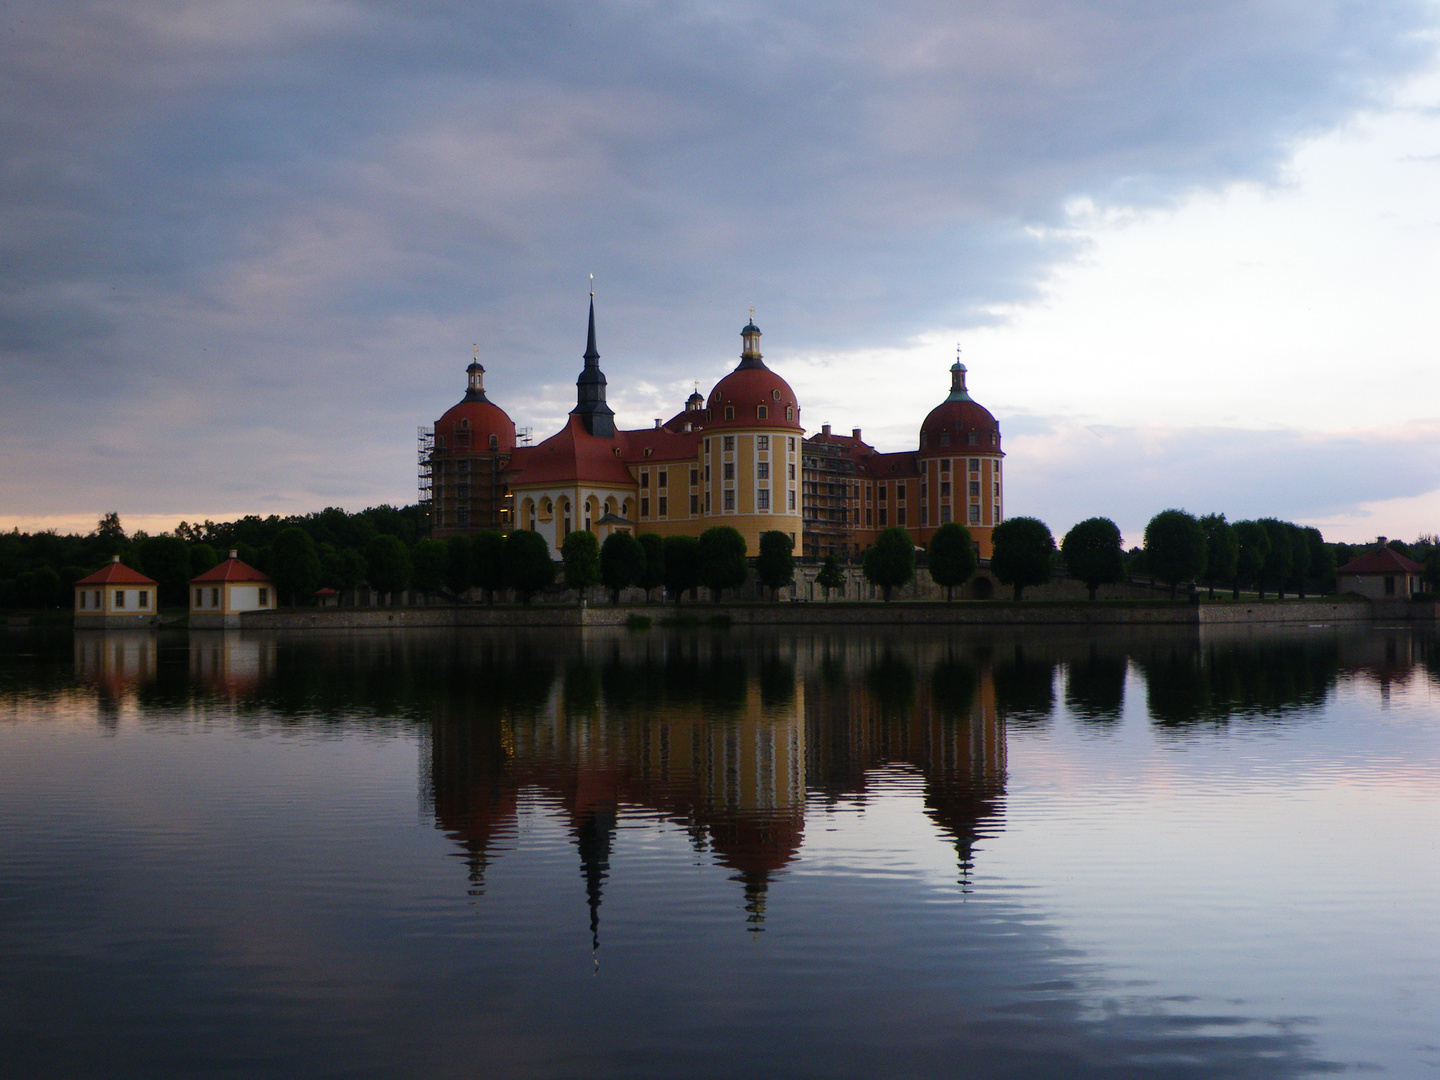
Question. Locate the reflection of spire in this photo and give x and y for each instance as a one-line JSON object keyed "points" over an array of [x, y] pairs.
{"points": [[594, 838], [756, 885]]}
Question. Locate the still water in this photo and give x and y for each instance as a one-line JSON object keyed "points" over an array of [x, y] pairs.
{"points": [[690, 853]]}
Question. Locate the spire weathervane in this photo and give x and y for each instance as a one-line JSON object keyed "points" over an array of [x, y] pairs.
{"points": [[592, 286]]}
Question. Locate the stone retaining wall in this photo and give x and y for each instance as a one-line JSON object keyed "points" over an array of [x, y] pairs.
{"points": [[1298, 612]]}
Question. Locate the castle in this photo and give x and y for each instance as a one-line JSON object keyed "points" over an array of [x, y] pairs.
{"points": [[739, 458]]}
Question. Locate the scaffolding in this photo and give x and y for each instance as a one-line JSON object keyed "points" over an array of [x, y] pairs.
{"points": [[425, 453]]}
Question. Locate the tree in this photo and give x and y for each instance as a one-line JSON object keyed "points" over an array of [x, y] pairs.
{"points": [[295, 565], [1276, 570], [459, 565], [682, 565], [1322, 561], [167, 560], [653, 544], [721, 557], [622, 563], [387, 564], [830, 576], [953, 560], [487, 561], [776, 563], [890, 563], [1024, 553], [1222, 549], [202, 557], [429, 564], [528, 566], [580, 556], [1093, 552], [343, 569], [1175, 547], [109, 529], [1253, 549], [1299, 559]]}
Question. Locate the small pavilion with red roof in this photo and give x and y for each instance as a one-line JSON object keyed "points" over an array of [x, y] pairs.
{"points": [[116, 596], [1381, 574], [223, 593]]}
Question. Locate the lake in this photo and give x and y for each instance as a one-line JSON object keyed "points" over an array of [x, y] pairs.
{"points": [[716, 853]]}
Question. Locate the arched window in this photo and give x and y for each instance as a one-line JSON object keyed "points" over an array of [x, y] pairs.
{"points": [[762, 413], [729, 412], [494, 442], [464, 423], [790, 412]]}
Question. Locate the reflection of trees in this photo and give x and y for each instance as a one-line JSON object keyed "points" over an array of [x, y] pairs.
{"points": [[1188, 683], [1024, 686], [1095, 685]]}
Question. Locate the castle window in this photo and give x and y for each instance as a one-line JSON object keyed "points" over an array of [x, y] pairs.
{"points": [[944, 438], [694, 477], [662, 481], [882, 493], [974, 515], [792, 444], [729, 499], [729, 412], [119, 598], [617, 451], [974, 464], [648, 450], [144, 597], [440, 443], [729, 470], [994, 439], [762, 413], [762, 499], [792, 507], [792, 470], [645, 506], [644, 479], [900, 492], [775, 394], [924, 514], [264, 597], [494, 442], [944, 489], [945, 465], [974, 489], [694, 504], [790, 412], [762, 442], [762, 470], [664, 506], [882, 516], [945, 514], [974, 439], [729, 442]]}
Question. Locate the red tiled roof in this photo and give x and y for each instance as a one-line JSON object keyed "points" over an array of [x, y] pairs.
{"points": [[1381, 561], [572, 454], [663, 445], [473, 422], [116, 573], [231, 569], [746, 388], [958, 418]]}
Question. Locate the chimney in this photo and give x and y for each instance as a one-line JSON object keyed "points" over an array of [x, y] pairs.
{"points": [[1382, 542], [855, 434], [234, 554], [687, 427], [824, 429], [117, 558]]}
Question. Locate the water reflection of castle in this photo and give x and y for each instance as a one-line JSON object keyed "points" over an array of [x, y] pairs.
{"points": [[725, 743], [734, 736]]}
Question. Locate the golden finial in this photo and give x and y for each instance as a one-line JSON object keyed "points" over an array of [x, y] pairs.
{"points": [[477, 351], [752, 313], [592, 286]]}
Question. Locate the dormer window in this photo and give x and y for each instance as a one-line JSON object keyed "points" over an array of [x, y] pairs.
{"points": [[617, 451], [729, 412], [762, 413], [775, 394], [464, 423], [790, 412], [494, 442]]}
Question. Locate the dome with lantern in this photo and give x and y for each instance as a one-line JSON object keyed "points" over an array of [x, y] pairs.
{"points": [[959, 423], [752, 395], [475, 422]]}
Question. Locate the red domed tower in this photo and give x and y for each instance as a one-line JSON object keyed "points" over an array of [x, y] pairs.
{"points": [[752, 435], [465, 461], [959, 462]]}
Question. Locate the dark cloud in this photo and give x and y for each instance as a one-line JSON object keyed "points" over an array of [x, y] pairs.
{"points": [[323, 204]]}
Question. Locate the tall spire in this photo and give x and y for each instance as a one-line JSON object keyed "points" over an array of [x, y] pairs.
{"points": [[590, 406]]}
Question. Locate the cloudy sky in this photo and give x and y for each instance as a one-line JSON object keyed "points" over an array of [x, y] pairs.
{"points": [[1191, 251]]}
